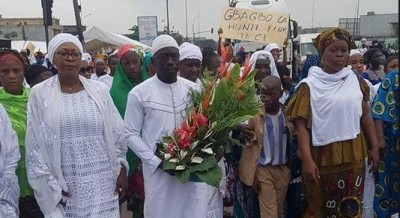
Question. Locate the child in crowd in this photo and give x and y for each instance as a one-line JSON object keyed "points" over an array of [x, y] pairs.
{"points": [[264, 160]]}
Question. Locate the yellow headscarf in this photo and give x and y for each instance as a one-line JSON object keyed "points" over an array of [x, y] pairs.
{"points": [[331, 35]]}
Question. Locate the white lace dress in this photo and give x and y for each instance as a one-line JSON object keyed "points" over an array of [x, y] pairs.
{"points": [[85, 161]]}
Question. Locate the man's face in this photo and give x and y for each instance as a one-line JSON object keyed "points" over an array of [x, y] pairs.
{"points": [[100, 66], [166, 62], [190, 69]]}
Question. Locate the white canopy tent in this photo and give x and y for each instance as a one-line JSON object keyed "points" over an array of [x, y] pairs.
{"points": [[98, 40]]}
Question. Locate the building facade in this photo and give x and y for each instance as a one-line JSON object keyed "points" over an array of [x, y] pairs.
{"points": [[379, 25], [28, 29], [351, 25], [372, 26]]}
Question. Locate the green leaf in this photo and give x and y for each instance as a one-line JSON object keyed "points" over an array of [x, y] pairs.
{"points": [[212, 176], [182, 176], [240, 119], [169, 165], [220, 91], [208, 162]]}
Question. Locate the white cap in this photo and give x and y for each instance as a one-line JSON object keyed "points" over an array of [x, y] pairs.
{"points": [[163, 41], [189, 51]]}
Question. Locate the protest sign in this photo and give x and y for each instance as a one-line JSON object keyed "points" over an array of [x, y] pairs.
{"points": [[254, 25]]}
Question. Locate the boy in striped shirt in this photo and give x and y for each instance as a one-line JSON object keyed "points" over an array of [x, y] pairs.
{"points": [[264, 161]]}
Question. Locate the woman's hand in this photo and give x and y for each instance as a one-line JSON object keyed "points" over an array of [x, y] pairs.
{"points": [[373, 159], [311, 171], [122, 183], [62, 201]]}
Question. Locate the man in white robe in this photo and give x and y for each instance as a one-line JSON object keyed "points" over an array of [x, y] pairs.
{"points": [[9, 157], [155, 108]]}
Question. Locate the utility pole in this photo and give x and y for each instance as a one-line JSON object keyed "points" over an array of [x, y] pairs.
{"points": [[358, 19], [312, 17], [186, 18], [78, 22], [47, 18], [167, 19]]}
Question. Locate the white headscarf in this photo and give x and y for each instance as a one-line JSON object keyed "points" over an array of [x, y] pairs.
{"points": [[354, 51], [271, 47], [163, 41], [264, 55], [59, 40], [189, 51]]}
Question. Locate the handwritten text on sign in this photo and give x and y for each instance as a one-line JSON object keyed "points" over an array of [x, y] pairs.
{"points": [[254, 25]]}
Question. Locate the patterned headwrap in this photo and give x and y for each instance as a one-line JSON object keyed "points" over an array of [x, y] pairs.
{"points": [[9, 54], [331, 35], [128, 47]]}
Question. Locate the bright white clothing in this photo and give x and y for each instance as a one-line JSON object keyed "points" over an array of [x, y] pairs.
{"points": [[9, 157], [44, 156], [273, 151], [107, 79], [336, 103], [369, 192], [84, 159], [155, 109], [95, 77]]}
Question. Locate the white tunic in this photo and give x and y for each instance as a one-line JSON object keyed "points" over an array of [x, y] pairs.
{"points": [[154, 109], [45, 142], [84, 159], [107, 79], [9, 157]]}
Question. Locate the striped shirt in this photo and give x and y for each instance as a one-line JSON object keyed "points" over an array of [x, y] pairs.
{"points": [[274, 144]]}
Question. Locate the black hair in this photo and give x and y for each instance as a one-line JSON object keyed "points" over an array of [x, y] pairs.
{"points": [[369, 55], [34, 71], [388, 60], [208, 54]]}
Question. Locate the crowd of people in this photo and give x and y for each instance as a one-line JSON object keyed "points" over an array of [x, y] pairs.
{"points": [[79, 132]]}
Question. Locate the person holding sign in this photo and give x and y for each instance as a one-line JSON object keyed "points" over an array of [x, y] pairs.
{"points": [[334, 128]]}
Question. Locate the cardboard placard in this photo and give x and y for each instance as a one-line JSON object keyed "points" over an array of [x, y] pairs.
{"points": [[254, 25]]}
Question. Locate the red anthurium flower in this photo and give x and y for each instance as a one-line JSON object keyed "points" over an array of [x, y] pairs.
{"points": [[170, 149], [184, 144], [203, 121]]}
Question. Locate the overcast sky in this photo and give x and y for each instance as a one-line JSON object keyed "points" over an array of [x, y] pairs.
{"points": [[119, 15]]}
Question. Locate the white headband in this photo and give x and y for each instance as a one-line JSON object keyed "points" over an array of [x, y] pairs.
{"points": [[58, 40], [189, 51], [163, 41]]}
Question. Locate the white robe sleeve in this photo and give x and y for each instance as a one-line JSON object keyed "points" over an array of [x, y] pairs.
{"points": [[46, 187], [9, 155], [134, 116], [120, 134]]}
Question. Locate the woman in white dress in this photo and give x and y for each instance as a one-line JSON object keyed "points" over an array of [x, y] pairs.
{"points": [[76, 141], [9, 157]]}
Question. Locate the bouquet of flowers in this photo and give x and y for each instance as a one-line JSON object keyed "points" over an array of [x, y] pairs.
{"points": [[224, 101]]}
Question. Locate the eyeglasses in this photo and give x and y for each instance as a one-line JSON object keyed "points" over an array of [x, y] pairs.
{"points": [[65, 55]]}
